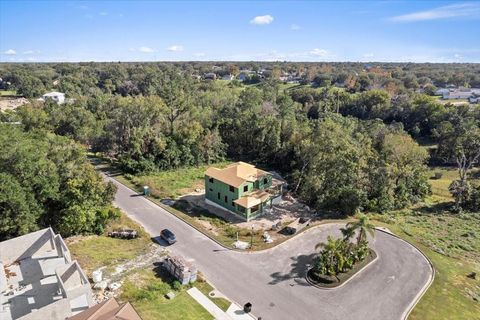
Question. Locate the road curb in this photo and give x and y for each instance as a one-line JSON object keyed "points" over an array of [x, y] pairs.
{"points": [[427, 285], [348, 280], [167, 208], [405, 314]]}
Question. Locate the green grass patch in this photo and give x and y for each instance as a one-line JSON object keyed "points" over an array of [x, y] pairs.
{"points": [[457, 237], [8, 93], [206, 288], [172, 183], [93, 252], [146, 291]]}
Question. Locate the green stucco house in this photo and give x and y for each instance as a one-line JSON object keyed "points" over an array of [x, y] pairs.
{"points": [[241, 189]]}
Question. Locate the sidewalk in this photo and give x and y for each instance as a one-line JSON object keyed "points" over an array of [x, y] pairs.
{"points": [[234, 312]]}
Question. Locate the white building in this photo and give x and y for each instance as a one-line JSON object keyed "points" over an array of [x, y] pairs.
{"points": [[457, 94], [228, 77], [39, 279], [58, 97]]}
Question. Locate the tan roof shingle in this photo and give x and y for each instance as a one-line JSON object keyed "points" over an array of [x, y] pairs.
{"points": [[236, 174]]}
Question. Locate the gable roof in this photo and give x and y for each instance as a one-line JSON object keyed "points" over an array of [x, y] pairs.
{"points": [[108, 310], [253, 199], [53, 94], [236, 174]]}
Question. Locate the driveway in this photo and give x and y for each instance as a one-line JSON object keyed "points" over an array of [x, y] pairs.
{"points": [[273, 280]]}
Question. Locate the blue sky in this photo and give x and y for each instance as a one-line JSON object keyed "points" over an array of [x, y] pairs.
{"points": [[418, 31]]}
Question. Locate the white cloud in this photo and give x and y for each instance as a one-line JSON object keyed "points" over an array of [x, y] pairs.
{"points": [[146, 49], [83, 7], [295, 27], [451, 11], [274, 55], [10, 52], [30, 52], [266, 19], [103, 13], [368, 55], [175, 47], [199, 54], [319, 52]]}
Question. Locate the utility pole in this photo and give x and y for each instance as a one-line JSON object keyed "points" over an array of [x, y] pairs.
{"points": [[251, 239]]}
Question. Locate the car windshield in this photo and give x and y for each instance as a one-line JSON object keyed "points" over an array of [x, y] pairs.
{"points": [[168, 233]]}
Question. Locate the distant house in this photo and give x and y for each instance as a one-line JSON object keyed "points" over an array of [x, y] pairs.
{"points": [[228, 77], [39, 279], [474, 100], [242, 189], [457, 94], [242, 77], [108, 310], [209, 76], [441, 91], [58, 97]]}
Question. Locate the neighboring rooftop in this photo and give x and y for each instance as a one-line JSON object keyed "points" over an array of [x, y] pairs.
{"points": [[108, 310], [253, 199], [53, 94], [38, 279], [236, 174]]}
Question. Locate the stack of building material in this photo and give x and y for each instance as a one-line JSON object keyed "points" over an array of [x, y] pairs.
{"points": [[182, 270]]}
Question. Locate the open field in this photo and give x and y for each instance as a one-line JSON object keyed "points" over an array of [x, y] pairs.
{"points": [[93, 252], [452, 293], [172, 183], [452, 242]]}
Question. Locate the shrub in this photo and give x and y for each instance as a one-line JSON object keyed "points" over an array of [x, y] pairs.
{"points": [[176, 285], [438, 175]]}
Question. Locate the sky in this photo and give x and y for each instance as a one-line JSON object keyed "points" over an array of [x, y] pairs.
{"points": [[382, 31]]}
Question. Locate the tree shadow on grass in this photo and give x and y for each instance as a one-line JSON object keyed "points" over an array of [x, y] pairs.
{"points": [[437, 208], [299, 267]]}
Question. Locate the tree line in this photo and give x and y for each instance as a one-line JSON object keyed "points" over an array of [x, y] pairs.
{"points": [[341, 151]]}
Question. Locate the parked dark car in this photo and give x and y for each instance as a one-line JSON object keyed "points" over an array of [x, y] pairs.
{"points": [[168, 236]]}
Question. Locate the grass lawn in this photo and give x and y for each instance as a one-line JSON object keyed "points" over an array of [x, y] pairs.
{"points": [[452, 243], [145, 290], [171, 183], [7, 93], [93, 252]]}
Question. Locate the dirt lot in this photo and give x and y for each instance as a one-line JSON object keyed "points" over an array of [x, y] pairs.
{"points": [[11, 104]]}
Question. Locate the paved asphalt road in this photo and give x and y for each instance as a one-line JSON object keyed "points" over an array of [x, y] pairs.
{"points": [[273, 280]]}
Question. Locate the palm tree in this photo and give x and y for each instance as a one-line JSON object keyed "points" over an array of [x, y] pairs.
{"points": [[347, 233], [333, 253], [362, 226]]}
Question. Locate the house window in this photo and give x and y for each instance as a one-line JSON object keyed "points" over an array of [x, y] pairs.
{"points": [[233, 204], [210, 189], [265, 181], [245, 188], [232, 189], [218, 195], [226, 199], [211, 180]]}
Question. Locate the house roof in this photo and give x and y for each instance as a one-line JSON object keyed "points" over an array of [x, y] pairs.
{"points": [[253, 199], [236, 174], [53, 94], [108, 310]]}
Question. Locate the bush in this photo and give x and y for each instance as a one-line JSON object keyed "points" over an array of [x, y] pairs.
{"points": [[231, 231], [438, 175], [176, 285]]}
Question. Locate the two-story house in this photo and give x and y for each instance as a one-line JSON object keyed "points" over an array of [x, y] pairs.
{"points": [[241, 189]]}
